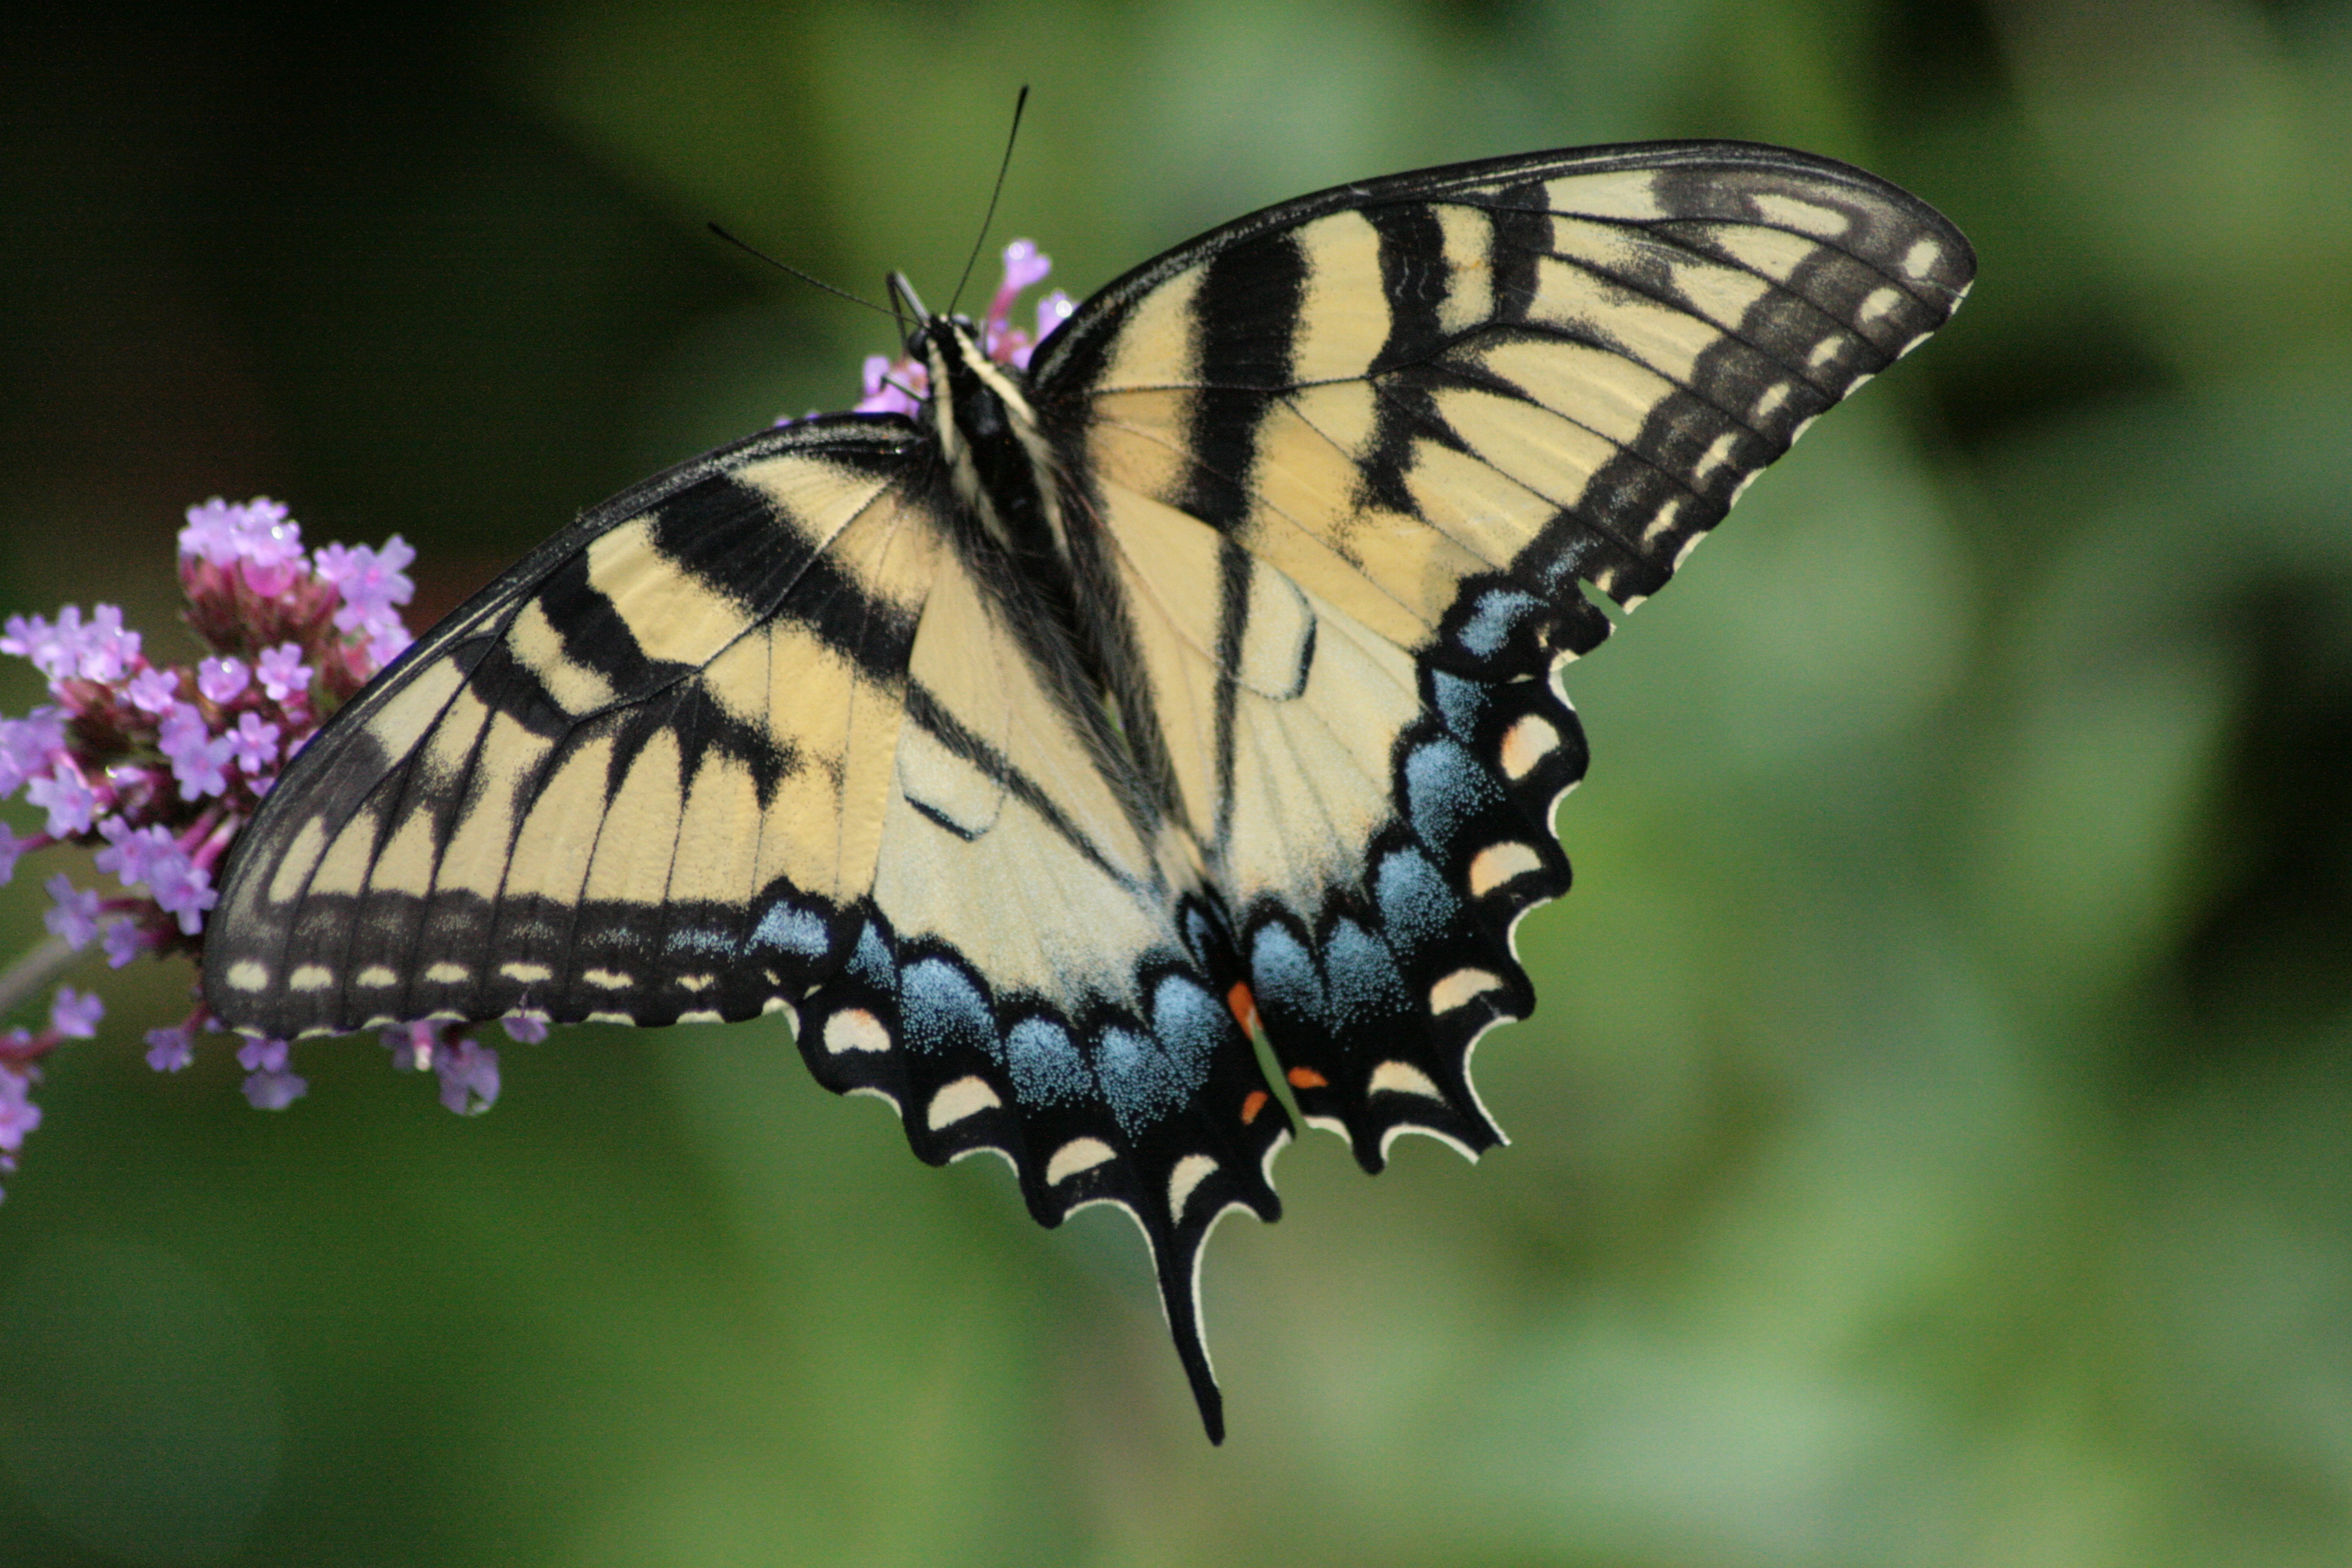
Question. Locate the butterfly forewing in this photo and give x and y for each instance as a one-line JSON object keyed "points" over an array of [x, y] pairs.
{"points": [[642, 776]]}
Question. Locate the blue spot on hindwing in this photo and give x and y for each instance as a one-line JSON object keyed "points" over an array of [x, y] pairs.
{"points": [[1191, 1025], [1444, 788], [1460, 701], [790, 928], [1365, 984], [1281, 971], [940, 1009], [1141, 1083], [1415, 903], [1146, 1080], [701, 939], [1500, 613], [1045, 1063], [871, 962]]}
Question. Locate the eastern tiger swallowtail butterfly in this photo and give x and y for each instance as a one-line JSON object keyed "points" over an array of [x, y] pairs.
{"points": [[1033, 753]]}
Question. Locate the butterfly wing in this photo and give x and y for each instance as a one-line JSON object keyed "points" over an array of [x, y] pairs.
{"points": [[641, 777], [1354, 457]]}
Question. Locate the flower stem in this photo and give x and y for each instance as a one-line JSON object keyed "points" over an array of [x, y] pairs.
{"points": [[44, 963]]}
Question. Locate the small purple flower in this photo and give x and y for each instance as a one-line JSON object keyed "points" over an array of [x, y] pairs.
{"points": [[257, 534], [281, 671], [893, 388], [104, 651], [196, 754], [169, 1051], [18, 1114], [123, 941], [254, 744], [262, 1056], [182, 888], [1024, 267], [221, 679], [201, 767], [154, 690], [54, 651], [129, 851], [272, 565], [388, 642], [10, 847], [213, 531], [524, 1028], [75, 1015], [1051, 311], [109, 651], [27, 746], [181, 726], [371, 582], [469, 1076], [23, 637], [62, 794], [275, 1090], [74, 915]]}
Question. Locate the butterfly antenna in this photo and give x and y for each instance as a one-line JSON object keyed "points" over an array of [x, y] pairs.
{"points": [[1002, 169], [750, 250], [902, 301]]}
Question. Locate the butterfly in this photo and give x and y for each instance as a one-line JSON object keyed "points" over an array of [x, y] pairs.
{"points": [[1040, 754]]}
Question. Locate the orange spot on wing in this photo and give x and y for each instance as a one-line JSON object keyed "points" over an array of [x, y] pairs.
{"points": [[1306, 1077], [1253, 1105], [1243, 1005]]}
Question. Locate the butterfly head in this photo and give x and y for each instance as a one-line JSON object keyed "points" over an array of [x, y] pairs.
{"points": [[943, 344], [998, 459]]}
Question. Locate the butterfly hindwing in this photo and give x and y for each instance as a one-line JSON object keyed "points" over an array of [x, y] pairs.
{"points": [[1041, 976]]}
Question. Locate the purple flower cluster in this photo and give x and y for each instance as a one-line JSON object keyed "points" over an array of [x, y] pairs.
{"points": [[899, 387], [156, 766]]}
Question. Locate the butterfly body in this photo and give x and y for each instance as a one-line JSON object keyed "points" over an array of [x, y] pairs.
{"points": [[1033, 752]]}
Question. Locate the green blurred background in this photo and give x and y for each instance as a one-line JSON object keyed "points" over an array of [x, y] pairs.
{"points": [[1932, 1147]]}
